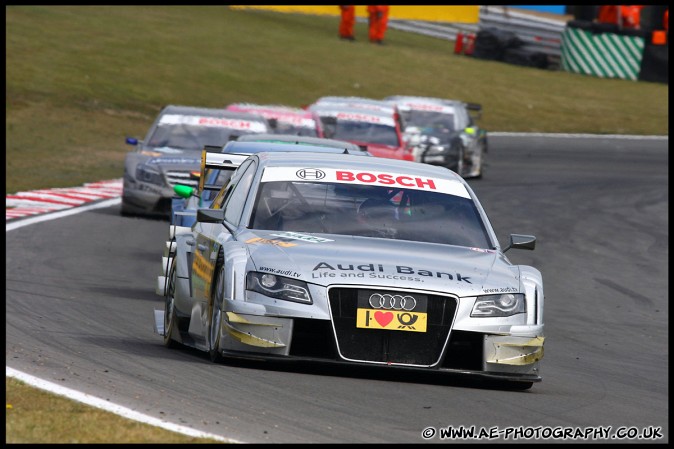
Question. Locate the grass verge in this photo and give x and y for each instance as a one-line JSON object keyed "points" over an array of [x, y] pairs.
{"points": [[35, 416], [79, 79]]}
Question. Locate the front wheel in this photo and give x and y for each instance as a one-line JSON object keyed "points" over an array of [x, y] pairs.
{"points": [[125, 210], [480, 163], [170, 319], [216, 314], [458, 167]]}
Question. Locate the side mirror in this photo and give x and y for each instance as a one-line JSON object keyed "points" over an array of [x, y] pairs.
{"points": [[519, 241], [210, 215], [131, 141], [183, 191]]}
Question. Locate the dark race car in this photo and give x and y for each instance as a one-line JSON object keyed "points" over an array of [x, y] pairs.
{"points": [[444, 132]]}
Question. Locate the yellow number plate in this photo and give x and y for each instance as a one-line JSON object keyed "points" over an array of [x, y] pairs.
{"points": [[395, 320]]}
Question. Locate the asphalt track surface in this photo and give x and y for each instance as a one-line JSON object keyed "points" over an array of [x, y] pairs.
{"points": [[80, 301]]}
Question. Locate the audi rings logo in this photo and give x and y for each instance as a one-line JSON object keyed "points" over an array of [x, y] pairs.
{"points": [[310, 174], [392, 302]]}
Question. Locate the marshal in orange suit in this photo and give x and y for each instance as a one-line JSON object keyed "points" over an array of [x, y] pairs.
{"points": [[347, 21], [378, 16]]}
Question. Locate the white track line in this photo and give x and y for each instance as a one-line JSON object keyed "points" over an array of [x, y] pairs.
{"points": [[584, 136], [110, 407]]}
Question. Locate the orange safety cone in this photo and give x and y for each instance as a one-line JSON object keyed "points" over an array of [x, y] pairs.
{"points": [[458, 44], [659, 37]]}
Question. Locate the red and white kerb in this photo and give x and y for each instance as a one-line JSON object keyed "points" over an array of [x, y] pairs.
{"points": [[365, 177]]}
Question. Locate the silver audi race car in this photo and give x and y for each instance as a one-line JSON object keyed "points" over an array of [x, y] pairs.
{"points": [[353, 260], [171, 153]]}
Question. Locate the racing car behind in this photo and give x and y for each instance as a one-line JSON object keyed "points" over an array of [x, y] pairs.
{"points": [[444, 132], [171, 150], [284, 119], [371, 124], [216, 170]]}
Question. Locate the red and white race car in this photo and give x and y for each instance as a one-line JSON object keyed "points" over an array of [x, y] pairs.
{"points": [[372, 124], [284, 119]]}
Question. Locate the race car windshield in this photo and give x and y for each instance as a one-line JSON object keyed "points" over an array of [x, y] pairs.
{"points": [[430, 121], [370, 211], [190, 137], [365, 132], [289, 128]]}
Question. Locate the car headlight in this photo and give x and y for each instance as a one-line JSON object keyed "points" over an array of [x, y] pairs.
{"points": [[147, 174], [436, 149], [506, 304], [278, 287]]}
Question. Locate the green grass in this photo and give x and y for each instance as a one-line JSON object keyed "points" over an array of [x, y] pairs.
{"points": [[80, 79], [35, 416]]}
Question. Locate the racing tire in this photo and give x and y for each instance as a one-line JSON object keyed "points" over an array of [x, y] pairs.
{"points": [[170, 320], [124, 210], [480, 165], [459, 162], [215, 312], [128, 210]]}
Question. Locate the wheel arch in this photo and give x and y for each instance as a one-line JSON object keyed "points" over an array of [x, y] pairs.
{"points": [[532, 282]]}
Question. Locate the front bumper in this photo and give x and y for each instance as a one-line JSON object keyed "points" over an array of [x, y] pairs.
{"points": [[468, 355], [446, 157], [337, 339], [144, 198], [459, 374]]}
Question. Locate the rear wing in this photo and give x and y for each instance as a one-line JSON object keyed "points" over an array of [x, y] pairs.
{"points": [[212, 157], [475, 110]]}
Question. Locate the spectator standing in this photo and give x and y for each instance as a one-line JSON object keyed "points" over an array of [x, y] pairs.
{"points": [[347, 21], [632, 16], [378, 17], [625, 16]]}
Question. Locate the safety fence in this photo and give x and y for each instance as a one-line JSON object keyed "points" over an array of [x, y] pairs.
{"points": [[605, 55]]}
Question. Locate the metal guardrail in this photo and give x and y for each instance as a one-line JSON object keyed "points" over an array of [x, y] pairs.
{"points": [[537, 34]]}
